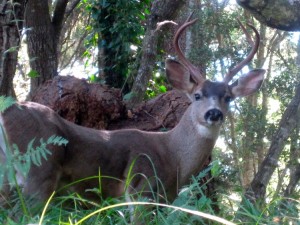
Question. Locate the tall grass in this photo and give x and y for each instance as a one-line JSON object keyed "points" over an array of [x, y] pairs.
{"points": [[190, 207]]}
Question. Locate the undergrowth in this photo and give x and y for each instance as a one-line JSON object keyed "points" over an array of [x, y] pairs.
{"points": [[190, 207]]}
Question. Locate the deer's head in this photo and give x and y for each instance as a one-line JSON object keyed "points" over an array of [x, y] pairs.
{"points": [[210, 100]]}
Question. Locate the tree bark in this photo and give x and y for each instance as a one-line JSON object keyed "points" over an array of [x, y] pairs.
{"points": [[11, 17], [43, 36], [160, 11], [294, 180], [41, 42], [294, 165], [280, 14]]}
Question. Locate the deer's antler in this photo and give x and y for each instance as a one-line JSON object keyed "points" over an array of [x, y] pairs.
{"points": [[231, 73], [195, 72]]}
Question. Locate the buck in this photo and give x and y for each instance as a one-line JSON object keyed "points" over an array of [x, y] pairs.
{"points": [[170, 157]]}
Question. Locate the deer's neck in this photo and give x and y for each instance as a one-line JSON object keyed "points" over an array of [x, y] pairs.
{"points": [[192, 143]]}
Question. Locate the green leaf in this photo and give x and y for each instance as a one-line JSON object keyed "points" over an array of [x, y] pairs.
{"points": [[6, 102], [44, 153], [163, 88], [11, 49], [93, 78], [147, 11], [215, 169], [57, 140], [38, 155], [33, 74], [128, 96], [26, 164]]}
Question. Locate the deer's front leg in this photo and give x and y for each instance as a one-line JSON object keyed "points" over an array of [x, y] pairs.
{"points": [[145, 186]]}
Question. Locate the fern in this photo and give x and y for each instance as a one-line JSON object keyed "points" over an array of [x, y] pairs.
{"points": [[13, 160], [57, 140], [21, 162], [6, 102]]}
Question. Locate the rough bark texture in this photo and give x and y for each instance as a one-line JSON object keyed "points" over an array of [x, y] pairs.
{"points": [[43, 34], [294, 164], [280, 14], [160, 11], [100, 107], [257, 189], [41, 42], [294, 181], [11, 24]]}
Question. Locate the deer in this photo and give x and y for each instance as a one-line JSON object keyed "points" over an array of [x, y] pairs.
{"points": [[172, 157]]}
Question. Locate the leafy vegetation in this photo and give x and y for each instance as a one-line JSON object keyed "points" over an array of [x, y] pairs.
{"points": [[117, 32], [5, 102], [21, 162], [192, 206]]}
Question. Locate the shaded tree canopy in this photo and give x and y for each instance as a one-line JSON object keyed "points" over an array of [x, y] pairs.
{"points": [[280, 14]]}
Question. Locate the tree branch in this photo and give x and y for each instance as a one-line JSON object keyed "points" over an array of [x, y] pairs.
{"points": [[71, 6], [258, 186], [59, 16], [287, 16], [160, 11]]}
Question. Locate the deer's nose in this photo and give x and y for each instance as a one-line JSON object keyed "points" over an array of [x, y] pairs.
{"points": [[213, 115]]}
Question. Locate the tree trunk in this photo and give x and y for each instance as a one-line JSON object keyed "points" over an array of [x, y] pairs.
{"points": [[11, 17], [287, 16], [111, 69], [43, 34], [160, 11], [257, 189], [294, 180], [261, 58], [294, 165], [41, 42], [255, 115]]}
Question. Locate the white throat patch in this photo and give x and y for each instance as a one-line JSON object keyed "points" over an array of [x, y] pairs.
{"points": [[211, 132]]}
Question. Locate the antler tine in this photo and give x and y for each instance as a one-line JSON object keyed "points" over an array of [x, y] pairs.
{"points": [[195, 72], [228, 77]]}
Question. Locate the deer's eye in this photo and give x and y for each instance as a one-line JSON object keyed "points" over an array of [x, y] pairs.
{"points": [[228, 99], [197, 96]]}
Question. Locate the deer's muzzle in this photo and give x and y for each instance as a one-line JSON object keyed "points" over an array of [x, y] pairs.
{"points": [[213, 115]]}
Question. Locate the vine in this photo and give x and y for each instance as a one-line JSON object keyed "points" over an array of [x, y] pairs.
{"points": [[117, 31]]}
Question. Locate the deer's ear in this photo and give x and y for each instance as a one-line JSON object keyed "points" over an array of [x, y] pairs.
{"points": [[179, 76], [248, 83]]}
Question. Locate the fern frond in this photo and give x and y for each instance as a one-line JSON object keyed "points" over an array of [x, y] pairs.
{"points": [[6, 102], [21, 162], [57, 140]]}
